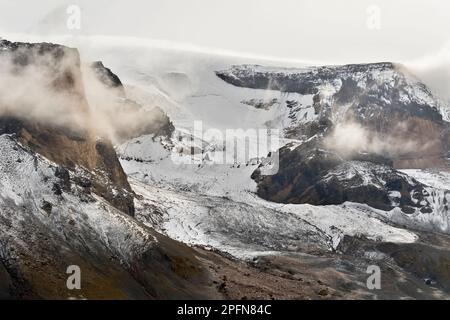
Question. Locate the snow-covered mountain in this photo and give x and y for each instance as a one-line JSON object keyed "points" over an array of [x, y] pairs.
{"points": [[406, 128], [384, 98], [166, 226]]}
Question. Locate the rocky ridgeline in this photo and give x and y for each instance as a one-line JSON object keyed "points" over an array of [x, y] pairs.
{"points": [[385, 101]]}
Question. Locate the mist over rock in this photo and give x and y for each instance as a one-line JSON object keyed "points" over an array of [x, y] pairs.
{"points": [[65, 199], [125, 118], [72, 142], [106, 76]]}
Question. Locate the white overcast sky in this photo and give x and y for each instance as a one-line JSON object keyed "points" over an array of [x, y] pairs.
{"points": [[332, 31]]}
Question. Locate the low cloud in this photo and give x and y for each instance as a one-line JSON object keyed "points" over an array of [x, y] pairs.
{"points": [[31, 88], [434, 70], [349, 138], [54, 89]]}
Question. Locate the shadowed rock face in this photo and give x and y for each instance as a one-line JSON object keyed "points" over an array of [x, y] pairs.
{"points": [[73, 145], [5, 282], [106, 76], [310, 174]]}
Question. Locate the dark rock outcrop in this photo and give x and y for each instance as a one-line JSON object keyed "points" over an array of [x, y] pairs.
{"points": [[311, 174], [106, 76]]}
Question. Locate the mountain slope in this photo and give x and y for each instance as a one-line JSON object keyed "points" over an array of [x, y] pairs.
{"points": [[65, 199], [368, 120]]}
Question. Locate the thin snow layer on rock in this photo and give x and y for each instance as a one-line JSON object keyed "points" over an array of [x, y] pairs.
{"points": [[433, 178], [437, 194], [28, 197], [439, 198], [444, 109], [361, 170], [386, 74], [351, 219], [328, 80], [216, 205], [238, 228], [241, 228], [153, 162], [437, 220]]}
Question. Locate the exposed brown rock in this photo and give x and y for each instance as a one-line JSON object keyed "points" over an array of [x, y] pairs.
{"points": [[75, 144]]}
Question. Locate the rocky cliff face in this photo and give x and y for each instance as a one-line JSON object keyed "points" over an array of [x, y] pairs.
{"points": [[310, 174], [73, 144]]}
